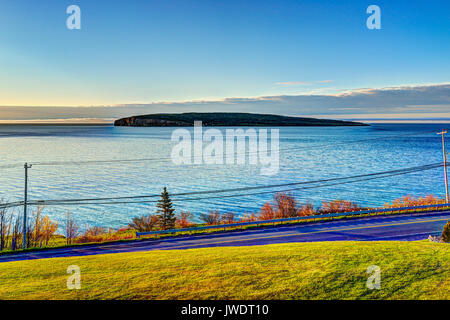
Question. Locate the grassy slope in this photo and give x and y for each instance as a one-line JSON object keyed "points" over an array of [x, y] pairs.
{"points": [[327, 270]]}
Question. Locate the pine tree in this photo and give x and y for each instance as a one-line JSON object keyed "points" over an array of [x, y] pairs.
{"points": [[166, 212], [446, 233]]}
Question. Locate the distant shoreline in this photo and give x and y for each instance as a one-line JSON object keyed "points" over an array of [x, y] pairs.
{"points": [[110, 122]]}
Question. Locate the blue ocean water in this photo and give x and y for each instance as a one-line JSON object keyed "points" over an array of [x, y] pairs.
{"points": [[310, 153]]}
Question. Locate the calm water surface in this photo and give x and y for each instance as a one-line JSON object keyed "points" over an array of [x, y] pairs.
{"points": [[314, 153]]}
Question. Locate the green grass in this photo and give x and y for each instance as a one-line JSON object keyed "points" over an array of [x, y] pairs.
{"points": [[326, 270]]}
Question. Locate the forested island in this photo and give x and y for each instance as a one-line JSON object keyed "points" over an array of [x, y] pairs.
{"points": [[227, 119]]}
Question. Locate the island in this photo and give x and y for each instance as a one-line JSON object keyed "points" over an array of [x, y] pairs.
{"points": [[227, 119]]}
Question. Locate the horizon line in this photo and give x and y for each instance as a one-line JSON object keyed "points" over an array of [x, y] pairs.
{"points": [[110, 121]]}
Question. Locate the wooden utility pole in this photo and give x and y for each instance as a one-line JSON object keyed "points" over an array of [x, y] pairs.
{"points": [[24, 232], [442, 133]]}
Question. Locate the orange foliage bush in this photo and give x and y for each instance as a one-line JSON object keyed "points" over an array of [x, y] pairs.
{"points": [[40, 229], [306, 210], [338, 206], [183, 221], [267, 212], [99, 234], [409, 201], [249, 217], [285, 206]]}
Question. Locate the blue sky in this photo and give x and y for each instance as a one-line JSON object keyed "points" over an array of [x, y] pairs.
{"points": [[145, 52]]}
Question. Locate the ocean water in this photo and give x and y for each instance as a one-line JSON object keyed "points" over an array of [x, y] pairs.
{"points": [[306, 154]]}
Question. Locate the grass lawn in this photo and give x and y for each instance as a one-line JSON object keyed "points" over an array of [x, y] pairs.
{"points": [[326, 270]]}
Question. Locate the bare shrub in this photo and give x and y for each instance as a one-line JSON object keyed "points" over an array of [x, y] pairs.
{"points": [[211, 218], [228, 218], [285, 205], [71, 229], [145, 223], [5, 227], [16, 233]]}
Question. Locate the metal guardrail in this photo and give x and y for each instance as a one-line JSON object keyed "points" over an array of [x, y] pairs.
{"points": [[274, 221]]}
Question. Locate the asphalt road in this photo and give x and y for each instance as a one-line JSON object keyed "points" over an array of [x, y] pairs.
{"points": [[401, 227]]}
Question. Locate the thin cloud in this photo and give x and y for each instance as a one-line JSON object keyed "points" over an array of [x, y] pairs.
{"points": [[426, 100], [301, 83], [293, 83], [325, 81]]}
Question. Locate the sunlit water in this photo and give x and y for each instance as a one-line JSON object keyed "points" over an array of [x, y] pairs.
{"points": [[314, 153]]}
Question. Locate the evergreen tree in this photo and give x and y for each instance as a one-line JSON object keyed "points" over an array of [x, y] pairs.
{"points": [[166, 212]]}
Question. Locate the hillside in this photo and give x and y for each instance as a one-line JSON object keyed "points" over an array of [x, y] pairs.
{"points": [[223, 119], [322, 270]]}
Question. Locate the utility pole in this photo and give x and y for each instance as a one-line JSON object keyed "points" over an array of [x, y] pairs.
{"points": [[442, 133], [24, 234]]}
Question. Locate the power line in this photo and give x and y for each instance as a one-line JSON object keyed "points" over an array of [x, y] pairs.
{"points": [[233, 195], [11, 204], [377, 175]]}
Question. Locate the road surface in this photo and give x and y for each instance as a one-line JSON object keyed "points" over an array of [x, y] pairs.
{"points": [[399, 227]]}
